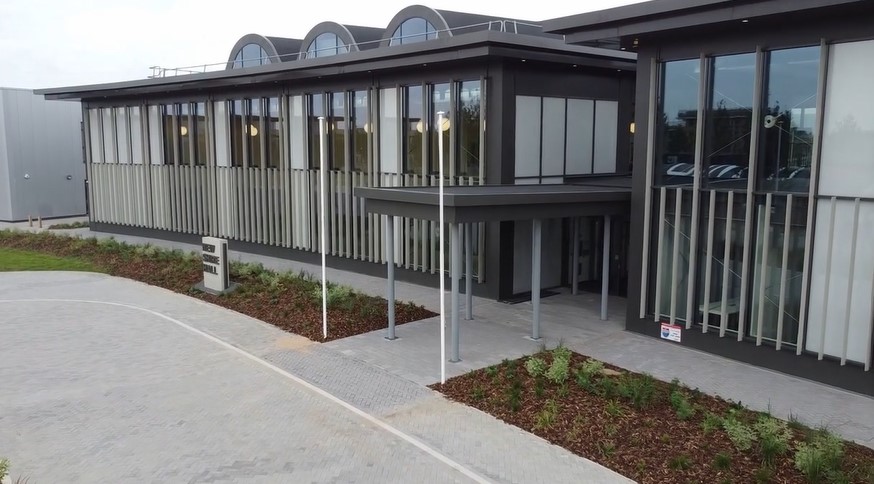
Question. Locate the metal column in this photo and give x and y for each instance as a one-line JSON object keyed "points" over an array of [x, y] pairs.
{"points": [[605, 268], [390, 274], [455, 275], [575, 260], [468, 269], [535, 277]]}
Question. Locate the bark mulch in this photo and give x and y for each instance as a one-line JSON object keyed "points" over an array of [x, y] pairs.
{"points": [[598, 419], [289, 301]]}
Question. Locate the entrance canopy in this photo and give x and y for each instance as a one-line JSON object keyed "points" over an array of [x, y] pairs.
{"points": [[465, 205], [495, 203]]}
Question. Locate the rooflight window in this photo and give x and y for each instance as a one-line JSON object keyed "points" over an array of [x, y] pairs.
{"points": [[413, 30], [251, 55], [326, 44]]}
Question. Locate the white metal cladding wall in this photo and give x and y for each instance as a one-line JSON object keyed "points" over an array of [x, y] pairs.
{"points": [[275, 205]]}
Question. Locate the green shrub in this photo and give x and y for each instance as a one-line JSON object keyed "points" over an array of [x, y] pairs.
{"points": [[680, 463], [681, 405], [492, 371], [820, 457], [514, 396], [608, 388], [536, 366], [478, 393], [592, 367], [722, 461], [562, 352], [607, 447], [711, 422], [246, 269], [773, 437], [764, 475], [740, 434], [546, 417], [640, 390], [614, 408], [4, 468], [559, 369]]}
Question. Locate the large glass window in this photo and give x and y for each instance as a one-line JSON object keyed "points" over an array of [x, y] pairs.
{"points": [[168, 115], [326, 44], [317, 109], [337, 131], [413, 30], [238, 123], [440, 102], [122, 135], [255, 131], [730, 121], [468, 115], [788, 117], [201, 153], [274, 151], [183, 121], [678, 117], [414, 127], [360, 129]]}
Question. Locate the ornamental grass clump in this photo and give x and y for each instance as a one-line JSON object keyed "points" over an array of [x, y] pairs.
{"points": [[773, 438], [536, 366], [560, 368], [821, 457]]}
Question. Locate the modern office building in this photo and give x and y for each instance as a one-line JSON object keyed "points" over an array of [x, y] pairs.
{"points": [[42, 169], [753, 193], [235, 153]]}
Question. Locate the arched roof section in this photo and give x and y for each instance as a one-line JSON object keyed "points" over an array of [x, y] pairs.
{"points": [[430, 15], [278, 49], [354, 37]]}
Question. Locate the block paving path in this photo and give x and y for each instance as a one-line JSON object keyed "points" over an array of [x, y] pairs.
{"points": [[110, 380]]}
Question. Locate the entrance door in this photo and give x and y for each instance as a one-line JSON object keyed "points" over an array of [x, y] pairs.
{"points": [[590, 243]]}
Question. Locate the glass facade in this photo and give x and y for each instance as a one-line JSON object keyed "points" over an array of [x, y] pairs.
{"points": [[440, 102], [360, 127], [414, 129], [337, 131], [469, 115], [413, 30], [734, 250]]}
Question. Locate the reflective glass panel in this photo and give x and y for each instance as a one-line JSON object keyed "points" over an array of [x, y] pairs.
{"points": [[360, 130], [317, 108], [440, 102], [337, 126], [675, 151], [469, 99], [274, 152], [414, 128], [254, 129]]}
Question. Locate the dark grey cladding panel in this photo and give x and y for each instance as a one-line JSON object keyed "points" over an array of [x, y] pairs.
{"points": [[492, 203], [367, 37], [285, 47]]}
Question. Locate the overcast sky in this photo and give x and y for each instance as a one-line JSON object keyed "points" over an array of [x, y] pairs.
{"points": [[50, 43]]}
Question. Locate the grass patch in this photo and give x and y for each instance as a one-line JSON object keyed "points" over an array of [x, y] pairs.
{"points": [[73, 225], [26, 260]]}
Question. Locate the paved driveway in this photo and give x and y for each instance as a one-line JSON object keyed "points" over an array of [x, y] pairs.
{"points": [[109, 380]]}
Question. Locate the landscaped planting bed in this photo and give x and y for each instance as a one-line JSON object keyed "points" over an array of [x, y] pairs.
{"points": [[287, 300], [653, 431]]}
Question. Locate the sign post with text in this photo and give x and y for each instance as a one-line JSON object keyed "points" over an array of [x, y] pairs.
{"points": [[216, 276]]}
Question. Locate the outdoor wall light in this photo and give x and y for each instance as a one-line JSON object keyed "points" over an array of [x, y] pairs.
{"points": [[69, 177], [183, 130], [252, 130], [631, 127], [27, 176], [420, 127]]}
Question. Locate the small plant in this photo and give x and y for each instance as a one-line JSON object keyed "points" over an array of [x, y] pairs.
{"points": [[773, 438], [764, 475], [492, 371], [4, 468], [536, 366], [72, 225], [478, 393], [681, 405], [514, 396], [607, 388], [592, 367], [614, 408], [711, 422], [741, 435], [559, 369], [680, 463], [539, 387], [546, 417], [640, 390], [607, 447], [563, 390], [820, 457], [722, 461]]}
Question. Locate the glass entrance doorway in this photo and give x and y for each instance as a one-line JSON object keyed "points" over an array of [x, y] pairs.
{"points": [[589, 239]]}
